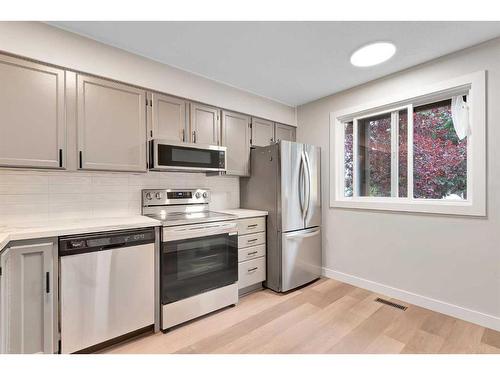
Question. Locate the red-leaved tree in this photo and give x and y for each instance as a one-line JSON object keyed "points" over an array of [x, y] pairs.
{"points": [[439, 157]]}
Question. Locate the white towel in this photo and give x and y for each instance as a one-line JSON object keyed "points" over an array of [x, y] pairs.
{"points": [[460, 116]]}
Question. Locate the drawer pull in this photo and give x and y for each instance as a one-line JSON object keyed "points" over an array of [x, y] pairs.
{"points": [[252, 240], [251, 226], [252, 253], [252, 269]]}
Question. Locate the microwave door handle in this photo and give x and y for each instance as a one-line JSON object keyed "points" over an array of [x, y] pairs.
{"points": [[154, 154]]}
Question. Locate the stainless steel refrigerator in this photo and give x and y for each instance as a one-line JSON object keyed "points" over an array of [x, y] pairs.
{"points": [[286, 181]]}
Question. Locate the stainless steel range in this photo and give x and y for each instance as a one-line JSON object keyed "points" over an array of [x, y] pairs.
{"points": [[199, 254]]}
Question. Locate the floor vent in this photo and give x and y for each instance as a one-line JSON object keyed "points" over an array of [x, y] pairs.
{"points": [[389, 303]]}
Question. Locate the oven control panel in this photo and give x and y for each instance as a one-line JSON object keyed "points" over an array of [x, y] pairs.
{"points": [[165, 197]]}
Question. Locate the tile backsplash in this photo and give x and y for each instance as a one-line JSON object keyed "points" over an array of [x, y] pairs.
{"points": [[27, 195]]}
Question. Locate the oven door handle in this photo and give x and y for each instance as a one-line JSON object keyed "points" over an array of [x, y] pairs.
{"points": [[174, 234]]}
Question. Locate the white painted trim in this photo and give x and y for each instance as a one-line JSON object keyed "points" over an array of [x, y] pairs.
{"points": [[395, 154], [475, 205], [355, 160], [409, 141], [456, 311]]}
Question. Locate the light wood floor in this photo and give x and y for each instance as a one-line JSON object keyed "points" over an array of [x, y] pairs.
{"points": [[325, 317]]}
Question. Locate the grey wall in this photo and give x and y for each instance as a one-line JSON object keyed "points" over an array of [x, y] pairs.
{"points": [[454, 260]]}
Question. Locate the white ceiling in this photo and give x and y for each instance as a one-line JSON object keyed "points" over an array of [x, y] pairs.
{"points": [[291, 62]]}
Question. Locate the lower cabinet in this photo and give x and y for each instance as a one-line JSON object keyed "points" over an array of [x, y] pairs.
{"points": [[251, 254], [28, 297]]}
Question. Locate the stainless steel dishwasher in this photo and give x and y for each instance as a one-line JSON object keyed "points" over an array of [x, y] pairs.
{"points": [[107, 286]]}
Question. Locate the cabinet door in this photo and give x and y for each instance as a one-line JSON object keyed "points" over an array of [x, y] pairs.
{"points": [[29, 302], [111, 124], [262, 132], [169, 118], [32, 125], [205, 127], [284, 133], [236, 137]]}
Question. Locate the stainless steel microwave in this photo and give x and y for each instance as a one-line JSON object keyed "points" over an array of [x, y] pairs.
{"points": [[179, 156]]}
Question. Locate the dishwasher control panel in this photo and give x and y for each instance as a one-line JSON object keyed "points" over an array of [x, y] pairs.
{"points": [[72, 245]]}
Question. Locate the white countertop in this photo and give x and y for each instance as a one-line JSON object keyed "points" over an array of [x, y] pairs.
{"points": [[55, 228], [243, 213]]}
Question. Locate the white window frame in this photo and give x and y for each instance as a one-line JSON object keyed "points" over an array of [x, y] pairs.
{"points": [[474, 85]]}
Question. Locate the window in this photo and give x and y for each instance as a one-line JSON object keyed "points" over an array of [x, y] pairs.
{"points": [[439, 157], [374, 156], [405, 154]]}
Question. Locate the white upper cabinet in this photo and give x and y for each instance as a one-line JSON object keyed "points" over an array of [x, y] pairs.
{"points": [[111, 125], [169, 118], [236, 137], [177, 120], [32, 119], [205, 124], [284, 133], [262, 132]]}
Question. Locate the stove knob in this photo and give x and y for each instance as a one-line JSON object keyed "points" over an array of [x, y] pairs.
{"points": [[198, 195], [149, 196], [158, 195], [205, 195]]}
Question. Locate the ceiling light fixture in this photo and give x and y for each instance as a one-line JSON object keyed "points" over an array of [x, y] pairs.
{"points": [[373, 54]]}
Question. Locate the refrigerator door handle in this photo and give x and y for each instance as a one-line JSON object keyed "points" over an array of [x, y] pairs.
{"points": [[305, 235], [309, 183], [301, 185]]}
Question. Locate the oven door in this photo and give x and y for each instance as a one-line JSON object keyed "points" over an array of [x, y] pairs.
{"points": [[195, 260], [176, 156]]}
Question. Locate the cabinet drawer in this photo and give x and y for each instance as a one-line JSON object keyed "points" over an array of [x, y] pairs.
{"points": [[251, 240], [252, 225], [251, 272], [251, 252]]}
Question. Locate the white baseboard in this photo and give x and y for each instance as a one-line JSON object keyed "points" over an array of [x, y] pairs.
{"points": [[463, 313]]}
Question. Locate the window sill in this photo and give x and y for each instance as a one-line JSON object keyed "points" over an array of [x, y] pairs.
{"points": [[465, 208]]}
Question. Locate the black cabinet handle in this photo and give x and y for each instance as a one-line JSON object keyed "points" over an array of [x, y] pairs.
{"points": [[252, 253], [81, 159], [252, 269], [47, 282], [251, 226], [252, 240], [60, 158]]}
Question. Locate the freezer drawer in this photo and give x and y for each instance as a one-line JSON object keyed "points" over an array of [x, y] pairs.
{"points": [[301, 257]]}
